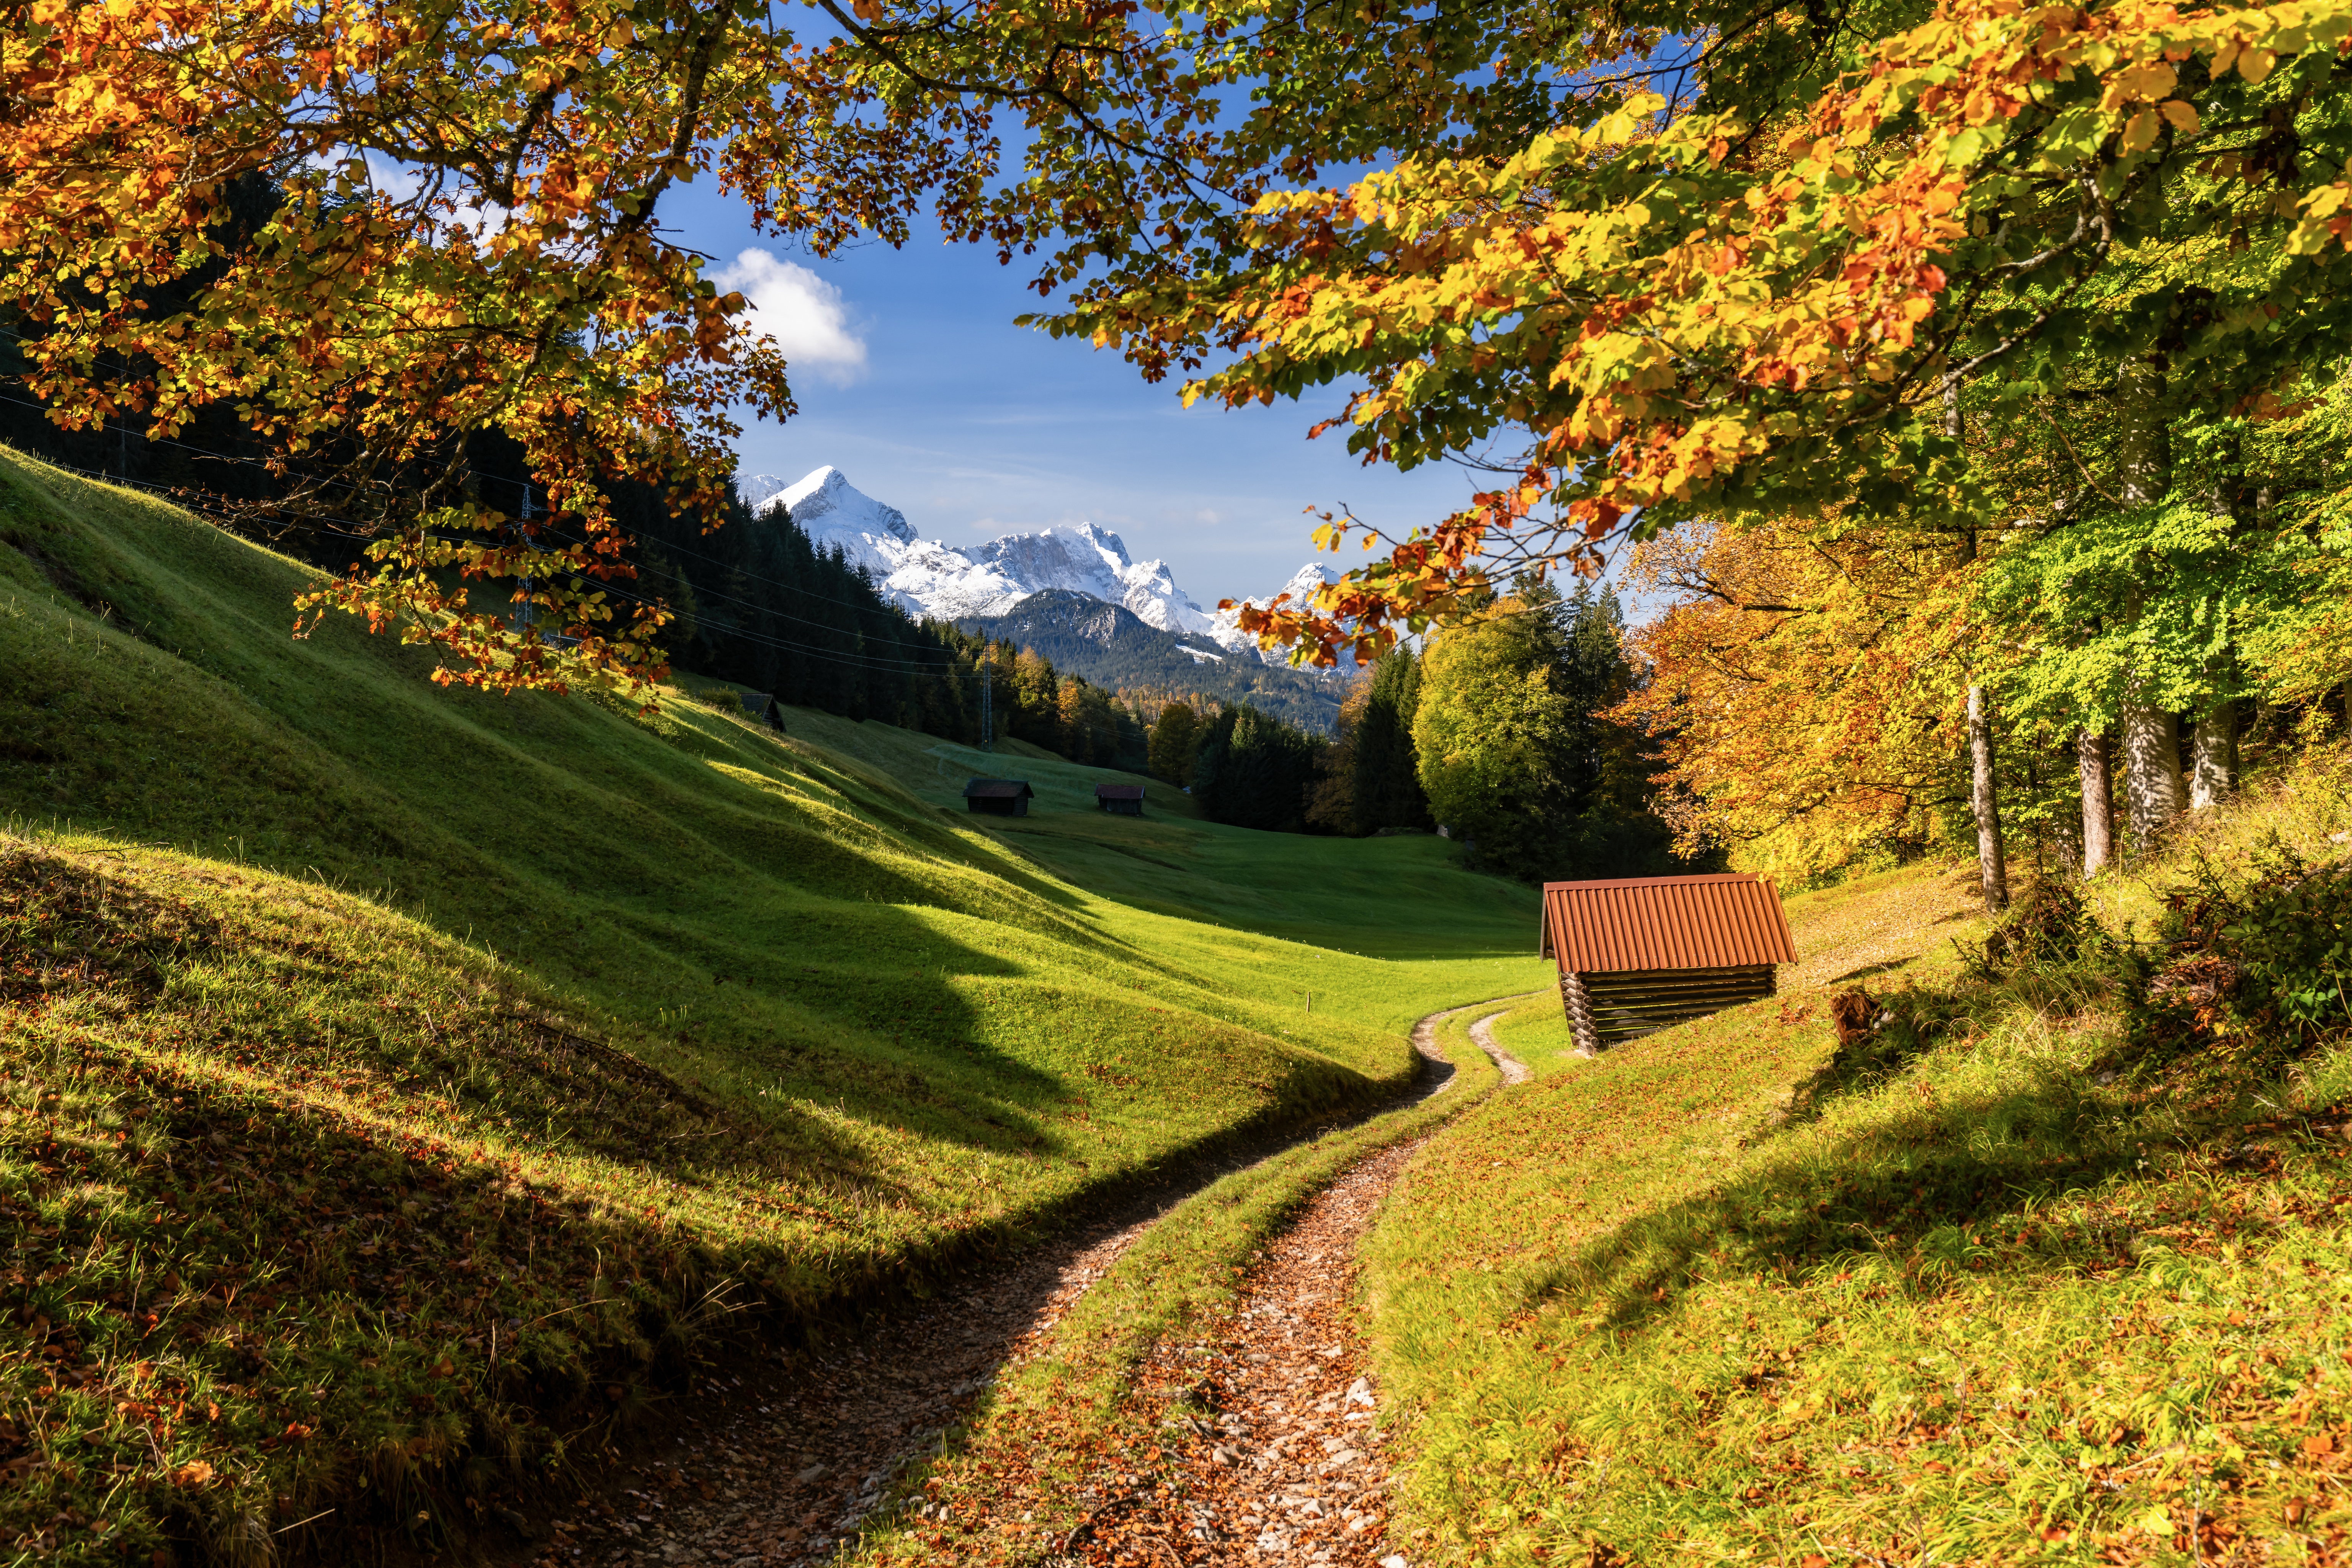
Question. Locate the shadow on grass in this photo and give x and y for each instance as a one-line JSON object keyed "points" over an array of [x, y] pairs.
{"points": [[1911, 1194]]}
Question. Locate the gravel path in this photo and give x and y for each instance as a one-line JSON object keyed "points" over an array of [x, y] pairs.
{"points": [[1274, 1457], [779, 1462], [1482, 1035]]}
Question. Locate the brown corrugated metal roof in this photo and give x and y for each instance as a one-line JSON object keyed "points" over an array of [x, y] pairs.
{"points": [[1665, 922], [998, 789], [1118, 792]]}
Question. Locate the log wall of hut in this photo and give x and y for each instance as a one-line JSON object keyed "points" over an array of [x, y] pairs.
{"points": [[1609, 1006]]}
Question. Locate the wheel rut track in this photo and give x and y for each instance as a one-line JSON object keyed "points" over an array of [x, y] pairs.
{"points": [[780, 1461]]}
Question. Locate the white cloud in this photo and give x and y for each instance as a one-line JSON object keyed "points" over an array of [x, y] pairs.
{"points": [[806, 315]]}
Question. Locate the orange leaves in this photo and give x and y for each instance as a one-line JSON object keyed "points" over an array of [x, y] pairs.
{"points": [[1669, 323], [520, 284], [1779, 674]]}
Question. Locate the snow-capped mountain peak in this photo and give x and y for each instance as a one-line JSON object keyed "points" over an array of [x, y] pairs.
{"points": [[931, 578], [1305, 583], [759, 490], [825, 502]]}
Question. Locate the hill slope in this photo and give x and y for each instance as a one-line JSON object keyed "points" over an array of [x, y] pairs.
{"points": [[1997, 1276], [464, 1061]]}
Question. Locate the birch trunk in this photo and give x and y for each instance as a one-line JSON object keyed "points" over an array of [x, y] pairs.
{"points": [[1991, 865], [2151, 735]]}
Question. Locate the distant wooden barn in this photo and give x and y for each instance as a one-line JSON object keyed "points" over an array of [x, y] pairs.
{"points": [[1126, 800], [763, 710], [1001, 797], [1638, 955]]}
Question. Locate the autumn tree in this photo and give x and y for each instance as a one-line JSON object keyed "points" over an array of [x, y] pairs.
{"points": [[1755, 296], [461, 236], [1801, 694]]}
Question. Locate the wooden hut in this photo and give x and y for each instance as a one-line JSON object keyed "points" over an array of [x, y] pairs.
{"points": [[763, 710], [1000, 798], [1125, 800], [1640, 955]]}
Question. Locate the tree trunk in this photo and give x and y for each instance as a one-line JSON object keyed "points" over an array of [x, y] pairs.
{"points": [[2153, 791], [2098, 801], [2213, 757], [2143, 436], [1991, 864], [2151, 738]]}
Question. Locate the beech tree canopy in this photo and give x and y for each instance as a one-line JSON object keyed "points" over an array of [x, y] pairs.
{"points": [[1646, 263]]}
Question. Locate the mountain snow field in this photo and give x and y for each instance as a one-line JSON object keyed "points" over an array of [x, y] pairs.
{"points": [[936, 580]]}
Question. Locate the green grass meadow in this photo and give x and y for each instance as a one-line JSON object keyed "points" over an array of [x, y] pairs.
{"points": [[400, 1081]]}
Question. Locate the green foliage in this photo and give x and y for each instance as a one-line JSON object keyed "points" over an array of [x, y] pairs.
{"points": [[2160, 601], [2253, 966], [1513, 752], [1386, 790], [1252, 770], [1175, 740]]}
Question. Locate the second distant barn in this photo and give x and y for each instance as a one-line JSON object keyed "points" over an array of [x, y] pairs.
{"points": [[999, 797], [1120, 799]]}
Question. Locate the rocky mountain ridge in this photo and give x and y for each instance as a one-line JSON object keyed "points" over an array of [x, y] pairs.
{"points": [[986, 582]]}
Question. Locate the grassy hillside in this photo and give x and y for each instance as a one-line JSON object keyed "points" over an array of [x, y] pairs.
{"points": [[1404, 897], [2001, 1280], [399, 1079]]}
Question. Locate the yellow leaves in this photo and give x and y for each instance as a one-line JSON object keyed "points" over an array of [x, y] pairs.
{"points": [[2140, 134], [2327, 213], [2181, 115], [2142, 83], [1623, 126]]}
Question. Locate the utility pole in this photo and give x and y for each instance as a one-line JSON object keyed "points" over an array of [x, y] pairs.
{"points": [[987, 697], [525, 612]]}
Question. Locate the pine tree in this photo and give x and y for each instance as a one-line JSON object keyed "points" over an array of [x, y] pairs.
{"points": [[1387, 785], [1174, 742]]}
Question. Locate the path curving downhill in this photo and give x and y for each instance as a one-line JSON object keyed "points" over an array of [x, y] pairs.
{"points": [[779, 1463], [1482, 1035], [1288, 1467]]}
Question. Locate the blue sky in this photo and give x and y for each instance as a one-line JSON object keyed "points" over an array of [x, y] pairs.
{"points": [[912, 379]]}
